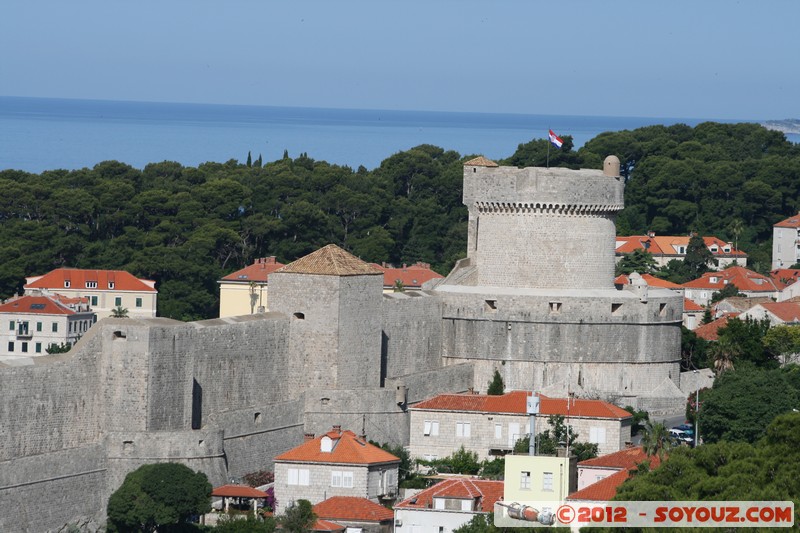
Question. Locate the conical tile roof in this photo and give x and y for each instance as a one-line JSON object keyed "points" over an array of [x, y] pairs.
{"points": [[330, 260], [480, 162]]}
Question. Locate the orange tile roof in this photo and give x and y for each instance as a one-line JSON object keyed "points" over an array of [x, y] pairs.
{"points": [[651, 281], [791, 222], [667, 245], [515, 402], [410, 276], [626, 245], [480, 161], [258, 271], [238, 491], [602, 491], [786, 311], [744, 279], [347, 449], [625, 460], [783, 277], [77, 278], [350, 508], [710, 331], [689, 306], [326, 525], [39, 305], [330, 260], [487, 491]]}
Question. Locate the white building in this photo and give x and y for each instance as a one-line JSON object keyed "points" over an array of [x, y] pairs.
{"points": [[31, 324], [447, 505], [338, 463], [786, 242], [104, 289], [491, 425]]}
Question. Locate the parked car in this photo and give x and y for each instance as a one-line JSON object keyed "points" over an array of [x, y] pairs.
{"points": [[681, 436]]}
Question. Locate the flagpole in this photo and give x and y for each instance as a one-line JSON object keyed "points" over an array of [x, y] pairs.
{"points": [[548, 147]]}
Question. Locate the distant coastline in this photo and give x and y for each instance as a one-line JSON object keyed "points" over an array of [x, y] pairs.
{"points": [[789, 125]]}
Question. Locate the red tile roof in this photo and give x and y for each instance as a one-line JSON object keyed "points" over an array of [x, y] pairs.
{"points": [[785, 311], [480, 161], [347, 449], [626, 245], [410, 276], [791, 222], [783, 277], [488, 492], [515, 402], [709, 331], [689, 306], [625, 460], [330, 260], [77, 278], [40, 305], [668, 245], [326, 525], [350, 508], [651, 281], [258, 271], [238, 491], [744, 279], [602, 491]]}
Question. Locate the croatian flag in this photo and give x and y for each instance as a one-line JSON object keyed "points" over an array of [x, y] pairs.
{"points": [[555, 139]]}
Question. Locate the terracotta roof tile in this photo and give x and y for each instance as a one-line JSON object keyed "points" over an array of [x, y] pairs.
{"points": [[238, 491], [480, 161], [651, 281], [791, 222], [40, 305], [258, 271], [783, 277], [709, 331], [77, 278], [410, 276], [488, 492], [744, 279], [690, 306], [349, 508], [515, 402], [330, 260], [347, 449], [668, 245], [602, 491], [785, 311], [326, 525], [625, 460]]}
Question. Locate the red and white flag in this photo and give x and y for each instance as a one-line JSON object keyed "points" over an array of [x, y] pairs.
{"points": [[555, 139]]}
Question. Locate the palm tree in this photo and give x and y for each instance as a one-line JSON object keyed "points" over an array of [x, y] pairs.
{"points": [[119, 312], [736, 227], [724, 353], [656, 439]]}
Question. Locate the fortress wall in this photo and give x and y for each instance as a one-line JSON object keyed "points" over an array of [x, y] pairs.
{"points": [[359, 363], [412, 333], [254, 436], [53, 405], [51, 489], [422, 385], [375, 410], [313, 348], [545, 250]]}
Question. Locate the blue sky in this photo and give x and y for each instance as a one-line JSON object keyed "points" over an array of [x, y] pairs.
{"points": [[704, 59]]}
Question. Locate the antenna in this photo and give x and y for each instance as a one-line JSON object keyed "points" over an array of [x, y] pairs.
{"points": [[532, 408]]}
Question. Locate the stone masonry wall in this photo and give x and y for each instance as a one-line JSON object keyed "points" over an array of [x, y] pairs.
{"points": [[359, 336], [412, 333]]}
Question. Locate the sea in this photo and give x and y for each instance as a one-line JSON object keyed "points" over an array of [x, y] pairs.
{"points": [[38, 134]]}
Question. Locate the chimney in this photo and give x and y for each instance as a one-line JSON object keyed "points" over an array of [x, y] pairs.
{"points": [[337, 428], [307, 437], [471, 390]]}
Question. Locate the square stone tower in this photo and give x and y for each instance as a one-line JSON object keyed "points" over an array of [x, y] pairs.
{"points": [[333, 301]]}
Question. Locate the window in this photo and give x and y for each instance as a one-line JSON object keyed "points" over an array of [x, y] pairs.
{"points": [[117, 301], [498, 431], [38, 326], [91, 284], [555, 307], [110, 284], [681, 250], [138, 302], [55, 327], [12, 326], [490, 306], [10, 346], [438, 503], [616, 309], [298, 476], [25, 347], [38, 347], [662, 309], [463, 429], [431, 428], [547, 481], [94, 300], [597, 435], [466, 505], [525, 481], [23, 328], [66, 284], [342, 478]]}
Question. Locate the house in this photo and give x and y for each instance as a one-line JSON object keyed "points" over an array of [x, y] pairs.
{"points": [[338, 463], [593, 470], [35, 322], [409, 277], [666, 248], [786, 279], [244, 292], [786, 242], [491, 425], [749, 283], [447, 505], [692, 314], [776, 312], [105, 289], [540, 478], [358, 515], [710, 331], [737, 304]]}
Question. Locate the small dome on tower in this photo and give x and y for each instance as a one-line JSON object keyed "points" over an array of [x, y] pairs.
{"points": [[611, 166]]}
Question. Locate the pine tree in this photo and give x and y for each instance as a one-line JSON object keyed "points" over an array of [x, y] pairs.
{"points": [[496, 385], [249, 159]]}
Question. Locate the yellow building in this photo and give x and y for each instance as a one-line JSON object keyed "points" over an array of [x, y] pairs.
{"points": [[540, 478], [244, 292]]}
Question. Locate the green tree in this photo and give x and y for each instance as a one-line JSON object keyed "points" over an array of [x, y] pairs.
{"points": [[250, 524], [298, 518], [656, 439], [698, 257], [640, 419], [639, 260], [782, 341], [119, 312], [496, 386], [729, 291], [158, 495]]}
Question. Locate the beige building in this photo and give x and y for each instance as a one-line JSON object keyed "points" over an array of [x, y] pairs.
{"points": [[244, 292], [786, 242], [30, 324], [338, 463], [539, 478], [491, 425], [668, 247], [104, 289]]}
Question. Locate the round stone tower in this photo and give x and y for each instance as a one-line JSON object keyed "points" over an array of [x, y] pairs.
{"points": [[542, 228]]}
